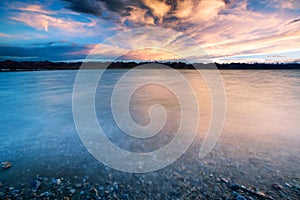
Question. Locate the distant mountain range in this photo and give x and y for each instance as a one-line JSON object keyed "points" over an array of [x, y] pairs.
{"points": [[9, 65]]}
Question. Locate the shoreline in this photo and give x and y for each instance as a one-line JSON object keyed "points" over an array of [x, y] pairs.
{"points": [[13, 66], [179, 181]]}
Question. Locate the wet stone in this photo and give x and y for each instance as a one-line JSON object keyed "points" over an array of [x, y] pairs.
{"points": [[276, 186], [224, 180], [5, 165], [115, 186], [36, 185], [15, 192], [174, 193], [288, 185], [240, 197], [58, 181], [72, 191], [78, 185], [125, 197], [234, 186], [46, 194]]}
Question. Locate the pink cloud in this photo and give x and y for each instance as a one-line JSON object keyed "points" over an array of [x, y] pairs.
{"points": [[44, 22], [5, 35], [34, 8]]}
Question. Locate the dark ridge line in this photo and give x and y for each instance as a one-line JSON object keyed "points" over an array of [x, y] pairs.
{"points": [[9, 65]]}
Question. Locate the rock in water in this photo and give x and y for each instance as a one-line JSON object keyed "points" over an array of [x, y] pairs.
{"points": [[276, 186], [78, 185], [72, 191], [5, 165], [239, 197], [36, 185], [125, 197], [234, 186]]}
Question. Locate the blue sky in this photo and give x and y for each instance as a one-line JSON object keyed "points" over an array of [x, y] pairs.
{"points": [[227, 30]]}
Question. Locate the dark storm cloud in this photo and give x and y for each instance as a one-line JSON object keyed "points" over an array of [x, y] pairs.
{"points": [[84, 6], [114, 5], [162, 12], [44, 51], [95, 7]]}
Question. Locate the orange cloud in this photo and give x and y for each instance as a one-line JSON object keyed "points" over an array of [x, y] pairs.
{"points": [[203, 10], [221, 29], [158, 8], [138, 16]]}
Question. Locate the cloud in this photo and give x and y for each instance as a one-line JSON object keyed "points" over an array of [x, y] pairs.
{"points": [[223, 28], [137, 16], [197, 12], [95, 7], [158, 11], [286, 4], [41, 19], [85, 6], [32, 8], [4, 35], [44, 22], [295, 21], [47, 51]]}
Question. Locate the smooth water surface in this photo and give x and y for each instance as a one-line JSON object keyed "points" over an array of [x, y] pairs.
{"points": [[260, 137]]}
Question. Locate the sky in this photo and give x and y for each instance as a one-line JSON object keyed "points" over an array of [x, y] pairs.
{"points": [[248, 31]]}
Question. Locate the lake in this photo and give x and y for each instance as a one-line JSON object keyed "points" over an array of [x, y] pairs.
{"points": [[258, 146]]}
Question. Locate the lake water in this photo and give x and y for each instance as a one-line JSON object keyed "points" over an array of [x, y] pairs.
{"points": [[259, 143]]}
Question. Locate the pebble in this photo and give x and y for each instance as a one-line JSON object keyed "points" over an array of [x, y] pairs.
{"points": [[15, 192], [234, 186], [72, 191], [36, 185], [239, 197], [282, 194], [288, 185], [46, 194], [101, 188], [68, 188], [5, 165], [174, 193], [115, 186], [78, 185], [224, 180], [125, 197], [276, 186], [95, 191], [58, 181]]}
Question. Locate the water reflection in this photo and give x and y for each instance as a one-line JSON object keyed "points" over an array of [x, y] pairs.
{"points": [[37, 129]]}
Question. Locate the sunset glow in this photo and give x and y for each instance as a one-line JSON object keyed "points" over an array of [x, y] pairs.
{"points": [[227, 30]]}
